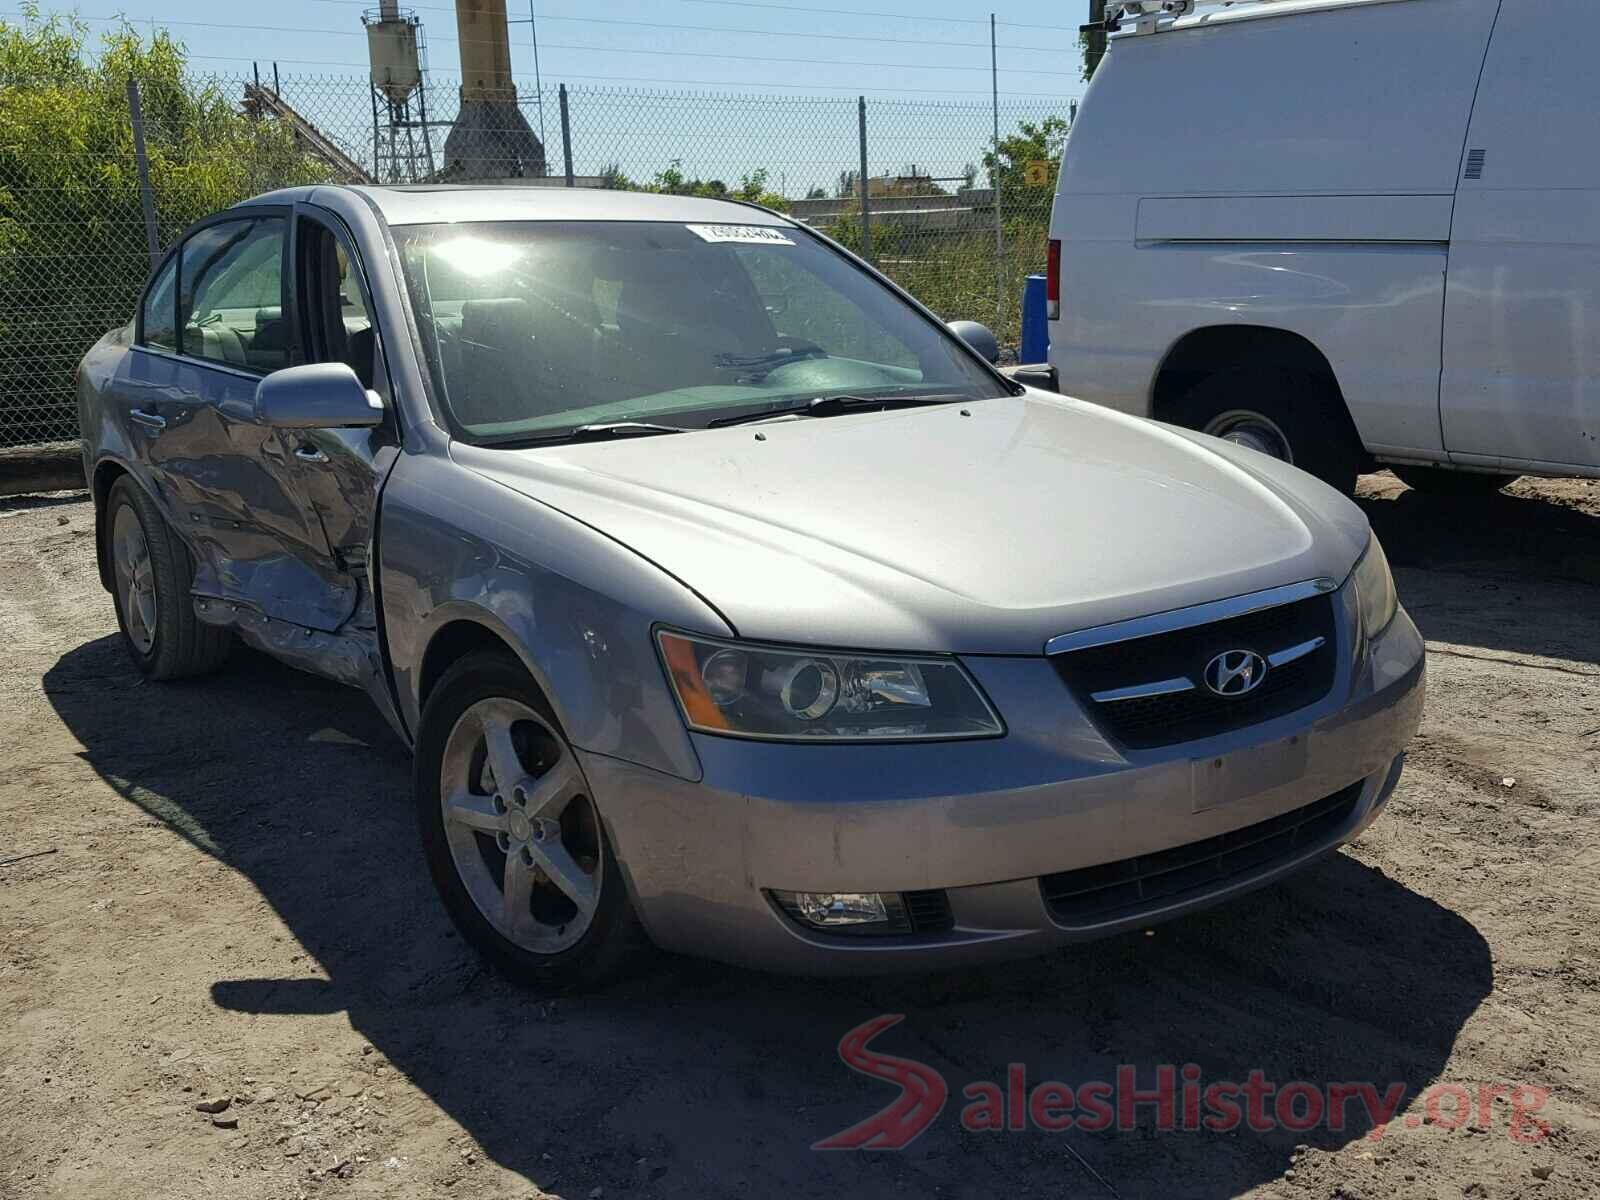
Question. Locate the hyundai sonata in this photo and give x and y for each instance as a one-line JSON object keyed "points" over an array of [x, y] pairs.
{"points": [[726, 597]]}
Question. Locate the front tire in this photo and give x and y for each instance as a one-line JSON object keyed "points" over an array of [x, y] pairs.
{"points": [[1295, 416], [1441, 481], [511, 833], [152, 577]]}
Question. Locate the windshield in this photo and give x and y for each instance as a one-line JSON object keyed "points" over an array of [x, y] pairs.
{"points": [[534, 328]]}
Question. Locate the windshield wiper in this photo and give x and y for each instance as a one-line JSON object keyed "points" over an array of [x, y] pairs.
{"points": [[833, 406], [606, 430], [603, 431]]}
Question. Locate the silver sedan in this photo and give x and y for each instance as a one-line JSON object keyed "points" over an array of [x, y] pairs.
{"points": [[727, 599]]}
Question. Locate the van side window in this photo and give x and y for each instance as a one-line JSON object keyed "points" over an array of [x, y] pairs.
{"points": [[159, 317], [231, 295]]}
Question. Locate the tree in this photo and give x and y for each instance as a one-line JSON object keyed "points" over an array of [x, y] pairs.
{"points": [[673, 182], [752, 185], [1041, 142], [753, 188], [73, 254], [611, 176]]}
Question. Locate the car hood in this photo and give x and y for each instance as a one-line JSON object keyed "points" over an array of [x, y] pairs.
{"points": [[988, 527]]}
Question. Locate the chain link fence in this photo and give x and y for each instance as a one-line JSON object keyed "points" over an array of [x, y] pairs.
{"points": [[75, 236]]}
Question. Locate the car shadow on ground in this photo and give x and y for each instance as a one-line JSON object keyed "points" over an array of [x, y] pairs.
{"points": [[33, 500], [698, 1078], [1508, 572]]}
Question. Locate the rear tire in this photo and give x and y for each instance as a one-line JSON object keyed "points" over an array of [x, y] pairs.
{"points": [[152, 579], [1294, 416], [512, 836], [1441, 481]]}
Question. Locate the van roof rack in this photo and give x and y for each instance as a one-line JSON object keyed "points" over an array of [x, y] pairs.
{"points": [[1147, 16]]}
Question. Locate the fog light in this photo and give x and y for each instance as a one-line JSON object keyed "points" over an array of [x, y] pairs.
{"points": [[829, 910]]}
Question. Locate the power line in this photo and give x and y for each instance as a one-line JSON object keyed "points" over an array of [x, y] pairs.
{"points": [[844, 12], [675, 81], [825, 62], [899, 16], [366, 4], [786, 33], [832, 37]]}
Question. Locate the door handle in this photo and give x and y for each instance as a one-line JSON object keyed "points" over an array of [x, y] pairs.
{"points": [[310, 454], [154, 422]]}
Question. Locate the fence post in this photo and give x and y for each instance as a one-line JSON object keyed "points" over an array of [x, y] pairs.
{"points": [[377, 169], [566, 135], [866, 204], [147, 200], [994, 183]]}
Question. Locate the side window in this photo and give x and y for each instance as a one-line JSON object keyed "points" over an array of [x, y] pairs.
{"points": [[338, 324], [159, 318], [231, 295]]}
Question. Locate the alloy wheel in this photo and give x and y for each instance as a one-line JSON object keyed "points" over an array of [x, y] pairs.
{"points": [[135, 576], [523, 833]]}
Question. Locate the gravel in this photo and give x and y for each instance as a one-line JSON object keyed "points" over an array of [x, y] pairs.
{"points": [[238, 895]]}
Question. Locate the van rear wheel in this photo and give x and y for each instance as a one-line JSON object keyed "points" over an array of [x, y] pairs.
{"points": [[1441, 481], [1294, 416]]}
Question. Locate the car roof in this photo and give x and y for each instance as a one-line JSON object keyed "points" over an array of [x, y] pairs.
{"points": [[425, 204]]}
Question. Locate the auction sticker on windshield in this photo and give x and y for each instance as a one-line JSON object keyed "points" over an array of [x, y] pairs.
{"points": [[758, 235]]}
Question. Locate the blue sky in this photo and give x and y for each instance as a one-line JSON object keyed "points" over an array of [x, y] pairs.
{"points": [[931, 48], [925, 74]]}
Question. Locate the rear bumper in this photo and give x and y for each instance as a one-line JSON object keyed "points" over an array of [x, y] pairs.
{"points": [[987, 821]]}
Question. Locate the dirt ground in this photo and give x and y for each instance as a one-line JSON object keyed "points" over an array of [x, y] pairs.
{"points": [[226, 899]]}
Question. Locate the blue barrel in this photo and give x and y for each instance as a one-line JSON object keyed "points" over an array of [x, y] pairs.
{"points": [[1035, 346]]}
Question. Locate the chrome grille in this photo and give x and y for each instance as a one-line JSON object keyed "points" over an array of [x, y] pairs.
{"points": [[1148, 692]]}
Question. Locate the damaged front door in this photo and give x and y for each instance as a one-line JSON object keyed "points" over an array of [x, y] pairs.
{"points": [[222, 472], [334, 474]]}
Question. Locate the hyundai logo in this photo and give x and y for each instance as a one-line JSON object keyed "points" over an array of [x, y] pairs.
{"points": [[1235, 673]]}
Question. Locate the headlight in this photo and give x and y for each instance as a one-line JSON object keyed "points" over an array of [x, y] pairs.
{"points": [[1375, 589], [739, 689]]}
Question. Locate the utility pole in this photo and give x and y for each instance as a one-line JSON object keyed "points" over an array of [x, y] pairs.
{"points": [[1094, 40], [538, 84]]}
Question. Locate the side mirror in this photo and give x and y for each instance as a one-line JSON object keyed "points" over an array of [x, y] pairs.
{"points": [[978, 337], [1038, 375], [316, 396]]}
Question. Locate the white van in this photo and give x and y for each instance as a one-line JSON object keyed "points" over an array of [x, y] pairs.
{"points": [[1341, 231]]}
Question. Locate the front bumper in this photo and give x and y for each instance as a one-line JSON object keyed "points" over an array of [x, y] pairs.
{"points": [[986, 820]]}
